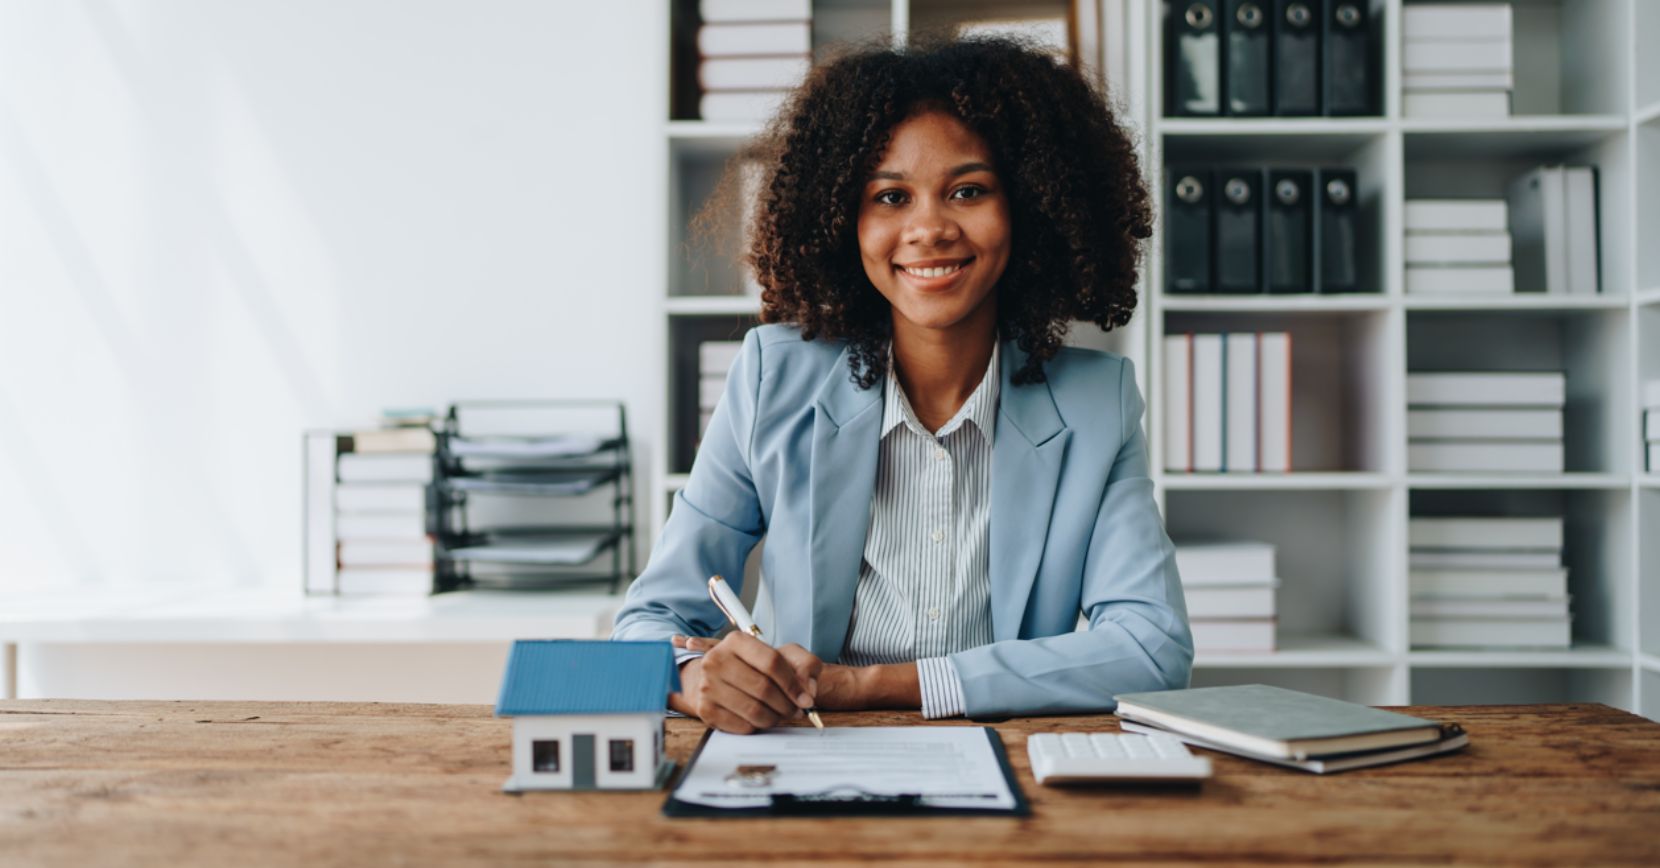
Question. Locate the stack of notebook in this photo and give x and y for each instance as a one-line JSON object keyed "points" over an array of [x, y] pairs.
{"points": [[752, 53], [1229, 587], [1458, 247], [1485, 421], [1456, 60], [1488, 583], [1287, 727]]}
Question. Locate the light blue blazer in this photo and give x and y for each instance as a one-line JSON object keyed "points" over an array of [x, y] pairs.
{"points": [[791, 455]]}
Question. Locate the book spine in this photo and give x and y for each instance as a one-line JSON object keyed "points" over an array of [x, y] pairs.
{"points": [[1457, 215], [1178, 403], [1470, 55], [1243, 405], [1207, 403], [1460, 279], [1455, 104], [1487, 389], [1458, 248], [1275, 396], [1475, 456], [1462, 22]]}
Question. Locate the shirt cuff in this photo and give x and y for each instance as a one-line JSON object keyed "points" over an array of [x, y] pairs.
{"points": [[683, 656], [942, 690]]}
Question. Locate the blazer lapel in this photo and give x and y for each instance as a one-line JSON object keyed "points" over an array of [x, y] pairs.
{"points": [[847, 424], [1025, 471]]}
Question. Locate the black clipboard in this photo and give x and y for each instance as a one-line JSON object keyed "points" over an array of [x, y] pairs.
{"points": [[852, 804]]}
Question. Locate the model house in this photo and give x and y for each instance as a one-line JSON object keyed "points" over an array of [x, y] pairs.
{"points": [[587, 714]]}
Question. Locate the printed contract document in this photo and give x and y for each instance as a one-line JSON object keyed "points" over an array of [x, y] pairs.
{"points": [[943, 767]]}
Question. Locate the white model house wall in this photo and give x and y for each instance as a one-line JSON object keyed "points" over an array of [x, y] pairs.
{"points": [[643, 729]]}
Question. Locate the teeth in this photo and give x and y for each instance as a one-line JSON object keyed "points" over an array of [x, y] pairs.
{"points": [[932, 272]]}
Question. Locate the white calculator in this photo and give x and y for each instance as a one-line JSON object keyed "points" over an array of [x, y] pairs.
{"points": [[1108, 757]]}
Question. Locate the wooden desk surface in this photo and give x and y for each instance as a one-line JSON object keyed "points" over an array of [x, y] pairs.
{"points": [[153, 783]]}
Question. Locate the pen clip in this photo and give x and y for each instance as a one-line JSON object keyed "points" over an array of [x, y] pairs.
{"points": [[716, 583]]}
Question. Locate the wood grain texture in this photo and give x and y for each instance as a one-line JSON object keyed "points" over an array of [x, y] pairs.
{"points": [[177, 783]]}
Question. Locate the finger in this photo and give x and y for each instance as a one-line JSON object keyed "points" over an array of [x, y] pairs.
{"points": [[766, 659], [699, 643], [751, 710], [756, 685], [808, 667], [726, 721], [679, 641]]}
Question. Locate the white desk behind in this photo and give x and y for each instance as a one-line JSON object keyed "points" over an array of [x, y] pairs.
{"points": [[196, 643]]}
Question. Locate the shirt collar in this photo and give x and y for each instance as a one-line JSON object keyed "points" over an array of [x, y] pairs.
{"points": [[980, 408]]}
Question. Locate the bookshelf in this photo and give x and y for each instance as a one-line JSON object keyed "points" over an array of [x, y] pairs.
{"points": [[1583, 93]]}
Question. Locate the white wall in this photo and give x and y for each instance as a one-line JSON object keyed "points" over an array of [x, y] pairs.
{"points": [[223, 223]]}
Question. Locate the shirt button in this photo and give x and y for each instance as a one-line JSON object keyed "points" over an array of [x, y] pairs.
{"points": [[934, 614], [940, 454], [937, 536]]}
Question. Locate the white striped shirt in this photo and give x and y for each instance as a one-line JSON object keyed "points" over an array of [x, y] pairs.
{"points": [[924, 589]]}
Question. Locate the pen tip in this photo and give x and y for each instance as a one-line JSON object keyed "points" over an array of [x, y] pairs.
{"points": [[812, 715]]}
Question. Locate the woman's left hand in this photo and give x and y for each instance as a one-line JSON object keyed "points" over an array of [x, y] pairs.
{"points": [[838, 686]]}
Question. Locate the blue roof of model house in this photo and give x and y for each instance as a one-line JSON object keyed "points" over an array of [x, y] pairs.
{"points": [[587, 677]]}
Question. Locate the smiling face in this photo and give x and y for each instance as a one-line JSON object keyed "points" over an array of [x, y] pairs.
{"points": [[934, 230]]}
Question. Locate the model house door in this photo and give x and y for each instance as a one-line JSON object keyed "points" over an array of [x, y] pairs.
{"points": [[582, 761]]}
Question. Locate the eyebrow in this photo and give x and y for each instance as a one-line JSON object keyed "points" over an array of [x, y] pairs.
{"points": [[959, 170]]}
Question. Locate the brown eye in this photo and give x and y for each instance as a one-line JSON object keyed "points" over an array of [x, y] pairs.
{"points": [[968, 191], [890, 197]]}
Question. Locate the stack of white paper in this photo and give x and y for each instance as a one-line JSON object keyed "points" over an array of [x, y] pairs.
{"points": [[1458, 247], [1488, 583], [1229, 587], [1481, 422], [753, 53], [1227, 402], [1456, 60]]}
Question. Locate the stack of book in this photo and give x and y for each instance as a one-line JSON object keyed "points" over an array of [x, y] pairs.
{"points": [[752, 54], [1456, 60], [1287, 727], [1488, 583], [1651, 426], [366, 511], [1553, 219], [1481, 422], [1229, 588], [1458, 247], [714, 360], [1227, 402]]}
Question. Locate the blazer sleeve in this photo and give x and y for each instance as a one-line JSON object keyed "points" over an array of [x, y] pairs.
{"points": [[1138, 636], [715, 523]]}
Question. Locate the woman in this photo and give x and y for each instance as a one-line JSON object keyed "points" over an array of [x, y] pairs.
{"points": [[942, 486]]}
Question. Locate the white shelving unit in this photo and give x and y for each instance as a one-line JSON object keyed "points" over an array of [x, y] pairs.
{"points": [[1584, 93]]}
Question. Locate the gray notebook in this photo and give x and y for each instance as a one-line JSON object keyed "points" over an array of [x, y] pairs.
{"points": [[1277, 722]]}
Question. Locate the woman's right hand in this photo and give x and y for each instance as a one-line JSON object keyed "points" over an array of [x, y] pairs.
{"points": [[743, 685]]}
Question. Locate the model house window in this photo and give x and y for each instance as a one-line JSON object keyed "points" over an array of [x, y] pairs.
{"points": [[622, 754], [544, 756]]}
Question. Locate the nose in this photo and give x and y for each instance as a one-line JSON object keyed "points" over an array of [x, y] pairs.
{"points": [[930, 225]]}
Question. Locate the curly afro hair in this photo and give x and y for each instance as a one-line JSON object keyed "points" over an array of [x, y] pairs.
{"points": [[1078, 205]]}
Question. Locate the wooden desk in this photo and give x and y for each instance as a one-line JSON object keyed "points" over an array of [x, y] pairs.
{"points": [[166, 783]]}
